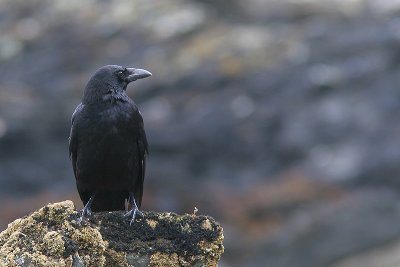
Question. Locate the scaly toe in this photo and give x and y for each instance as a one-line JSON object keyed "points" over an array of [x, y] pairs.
{"points": [[132, 214]]}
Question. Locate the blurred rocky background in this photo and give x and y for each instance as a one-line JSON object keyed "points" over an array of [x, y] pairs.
{"points": [[278, 118]]}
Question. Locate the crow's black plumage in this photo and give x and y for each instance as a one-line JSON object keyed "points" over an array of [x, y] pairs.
{"points": [[107, 143]]}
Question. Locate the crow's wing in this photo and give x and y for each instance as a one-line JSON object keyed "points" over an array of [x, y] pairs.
{"points": [[142, 152], [73, 139]]}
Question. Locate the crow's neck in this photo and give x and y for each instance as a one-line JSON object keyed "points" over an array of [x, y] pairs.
{"points": [[98, 91]]}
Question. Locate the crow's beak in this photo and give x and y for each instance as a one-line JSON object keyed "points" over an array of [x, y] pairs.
{"points": [[135, 74]]}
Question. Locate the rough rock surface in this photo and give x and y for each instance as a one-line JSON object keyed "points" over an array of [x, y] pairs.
{"points": [[52, 236]]}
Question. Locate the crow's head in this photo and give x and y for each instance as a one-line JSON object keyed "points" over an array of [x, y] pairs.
{"points": [[111, 81]]}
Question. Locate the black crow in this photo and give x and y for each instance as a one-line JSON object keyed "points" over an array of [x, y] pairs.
{"points": [[107, 143]]}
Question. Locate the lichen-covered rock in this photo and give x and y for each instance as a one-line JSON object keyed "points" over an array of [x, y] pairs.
{"points": [[52, 236]]}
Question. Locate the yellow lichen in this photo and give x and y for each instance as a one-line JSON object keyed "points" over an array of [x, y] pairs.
{"points": [[162, 259], [54, 244], [166, 216], [186, 228], [90, 240], [152, 223], [210, 248], [89, 237], [206, 225], [57, 211], [114, 258]]}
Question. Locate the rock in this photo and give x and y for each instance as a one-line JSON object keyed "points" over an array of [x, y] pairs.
{"points": [[52, 236]]}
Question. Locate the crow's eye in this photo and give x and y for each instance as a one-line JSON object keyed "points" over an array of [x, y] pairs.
{"points": [[120, 73]]}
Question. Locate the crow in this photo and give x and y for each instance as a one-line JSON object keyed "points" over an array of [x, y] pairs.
{"points": [[108, 145]]}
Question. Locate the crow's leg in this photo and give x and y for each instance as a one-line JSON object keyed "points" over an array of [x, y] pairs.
{"points": [[87, 210], [134, 209]]}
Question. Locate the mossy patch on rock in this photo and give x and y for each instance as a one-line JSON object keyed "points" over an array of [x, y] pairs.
{"points": [[52, 236]]}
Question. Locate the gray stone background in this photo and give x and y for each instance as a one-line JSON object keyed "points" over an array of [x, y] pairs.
{"points": [[278, 118]]}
